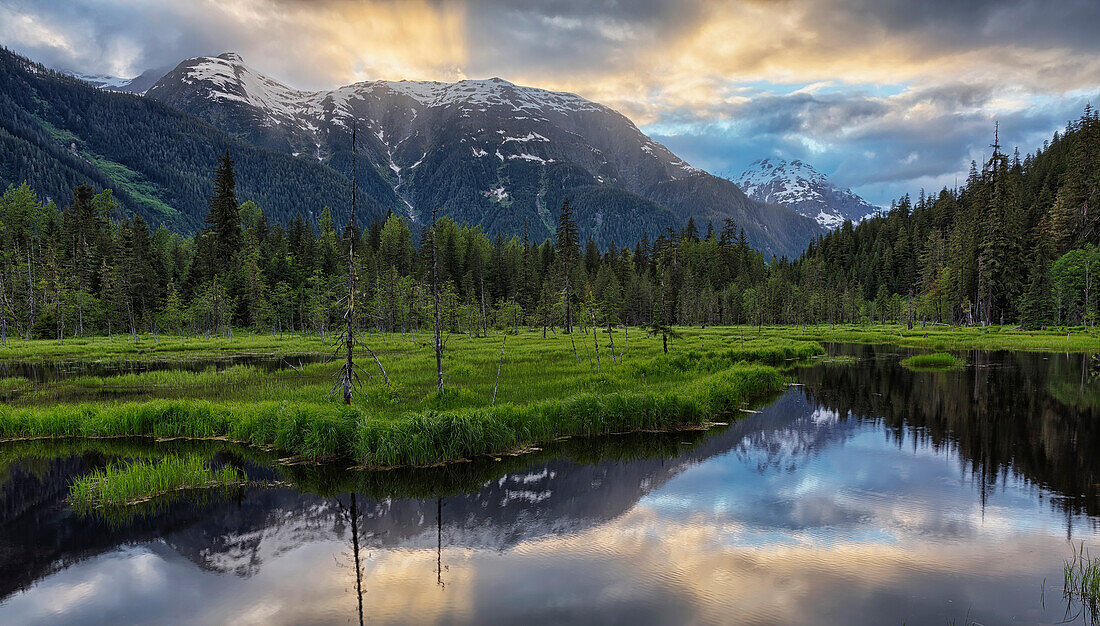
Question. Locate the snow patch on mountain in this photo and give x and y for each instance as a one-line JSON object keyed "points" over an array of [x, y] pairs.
{"points": [[232, 80], [798, 186], [227, 79], [103, 81], [497, 193], [138, 84]]}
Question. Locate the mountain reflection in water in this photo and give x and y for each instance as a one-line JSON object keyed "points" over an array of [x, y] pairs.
{"points": [[870, 494]]}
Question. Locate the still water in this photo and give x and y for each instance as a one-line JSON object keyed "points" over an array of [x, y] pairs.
{"points": [[867, 494]]}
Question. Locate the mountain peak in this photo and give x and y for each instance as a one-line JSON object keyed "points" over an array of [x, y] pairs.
{"points": [[798, 186], [485, 150], [232, 57]]}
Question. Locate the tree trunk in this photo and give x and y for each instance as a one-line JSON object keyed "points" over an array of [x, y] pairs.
{"points": [[4, 309], [484, 320], [611, 338], [499, 364], [355, 550], [30, 292], [596, 342], [435, 297], [568, 304]]}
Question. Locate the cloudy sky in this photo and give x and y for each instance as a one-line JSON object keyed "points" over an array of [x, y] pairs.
{"points": [[885, 96]]}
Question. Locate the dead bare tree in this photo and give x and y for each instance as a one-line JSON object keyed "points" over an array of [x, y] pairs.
{"points": [[611, 338], [435, 298], [596, 341], [348, 377], [5, 310], [575, 355], [499, 364], [352, 516]]}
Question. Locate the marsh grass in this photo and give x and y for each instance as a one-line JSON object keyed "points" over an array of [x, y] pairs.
{"points": [[322, 430], [147, 347], [1082, 582], [937, 338], [142, 480], [544, 393], [934, 361], [829, 360]]}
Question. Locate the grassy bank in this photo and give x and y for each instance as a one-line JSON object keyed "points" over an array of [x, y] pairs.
{"points": [[545, 391], [326, 430], [141, 480], [548, 387]]}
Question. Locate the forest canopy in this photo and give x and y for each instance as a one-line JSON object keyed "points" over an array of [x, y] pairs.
{"points": [[1016, 244]]}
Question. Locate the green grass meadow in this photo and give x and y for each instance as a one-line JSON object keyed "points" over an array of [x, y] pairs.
{"points": [[549, 388], [545, 391]]}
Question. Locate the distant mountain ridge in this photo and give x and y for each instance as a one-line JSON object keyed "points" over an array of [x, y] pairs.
{"points": [[137, 85], [487, 152], [800, 187], [57, 132]]}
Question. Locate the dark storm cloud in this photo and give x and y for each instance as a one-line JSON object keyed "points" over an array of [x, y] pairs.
{"points": [[962, 24], [573, 35]]}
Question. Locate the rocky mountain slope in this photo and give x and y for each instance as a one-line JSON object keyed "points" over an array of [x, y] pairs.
{"points": [[57, 132], [487, 152]]}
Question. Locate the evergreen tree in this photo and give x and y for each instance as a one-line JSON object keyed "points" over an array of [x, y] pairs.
{"points": [[568, 248], [224, 220]]}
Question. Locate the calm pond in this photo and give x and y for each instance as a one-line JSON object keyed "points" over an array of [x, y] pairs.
{"points": [[868, 494]]}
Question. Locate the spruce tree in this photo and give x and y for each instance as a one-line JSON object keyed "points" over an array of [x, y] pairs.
{"points": [[568, 247], [1037, 304], [224, 219]]}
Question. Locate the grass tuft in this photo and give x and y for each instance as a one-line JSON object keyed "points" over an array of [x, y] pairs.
{"points": [[142, 480], [1082, 582], [934, 361]]}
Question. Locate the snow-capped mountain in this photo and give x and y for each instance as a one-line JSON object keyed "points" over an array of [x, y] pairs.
{"points": [[487, 152], [800, 187], [138, 84]]}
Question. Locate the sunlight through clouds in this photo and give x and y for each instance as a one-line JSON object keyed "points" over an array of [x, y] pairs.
{"points": [[809, 80]]}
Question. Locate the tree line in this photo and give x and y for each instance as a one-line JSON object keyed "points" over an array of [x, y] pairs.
{"points": [[1017, 243]]}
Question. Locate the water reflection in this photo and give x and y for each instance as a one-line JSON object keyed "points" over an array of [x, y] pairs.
{"points": [[868, 495], [1035, 416]]}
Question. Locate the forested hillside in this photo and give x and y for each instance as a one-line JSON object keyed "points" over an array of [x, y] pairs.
{"points": [[489, 153], [1016, 244], [57, 132]]}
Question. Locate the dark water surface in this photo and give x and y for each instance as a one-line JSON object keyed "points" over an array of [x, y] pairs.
{"points": [[867, 495]]}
